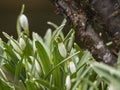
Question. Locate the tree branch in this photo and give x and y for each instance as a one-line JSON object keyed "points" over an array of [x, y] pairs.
{"points": [[109, 11], [84, 31]]}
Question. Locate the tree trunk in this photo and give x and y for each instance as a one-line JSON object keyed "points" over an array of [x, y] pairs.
{"points": [[83, 14]]}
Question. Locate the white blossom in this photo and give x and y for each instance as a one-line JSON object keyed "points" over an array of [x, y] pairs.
{"points": [[111, 87], [37, 66], [62, 49], [72, 67], [22, 43], [68, 83], [34, 46], [70, 42], [76, 58], [23, 22]]}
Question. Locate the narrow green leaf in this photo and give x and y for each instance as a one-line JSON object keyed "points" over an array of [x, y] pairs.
{"points": [[84, 58], [20, 86], [9, 68], [106, 69], [47, 85], [44, 59], [62, 61], [18, 70], [86, 71], [118, 61], [9, 51], [109, 74], [52, 24], [44, 83], [68, 35], [56, 73], [47, 38], [28, 50], [14, 43], [5, 86], [31, 85], [78, 49], [58, 31]]}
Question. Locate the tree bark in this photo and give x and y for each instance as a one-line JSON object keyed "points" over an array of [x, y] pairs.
{"points": [[76, 12], [109, 11]]}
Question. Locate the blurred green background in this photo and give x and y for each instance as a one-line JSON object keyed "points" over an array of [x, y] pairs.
{"points": [[37, 11]]}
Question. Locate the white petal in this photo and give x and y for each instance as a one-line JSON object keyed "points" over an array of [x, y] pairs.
{"points": [[23, 22], [37, 66], [72, 67], [68, 83], [22, 43], [70, 42], [62, 49], [34, 46]]}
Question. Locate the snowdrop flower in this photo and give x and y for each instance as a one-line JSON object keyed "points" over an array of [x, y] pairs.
{"points": [[68, 83], [112, 87], [76, 58], [70, 42], [23, 21], [62, 49], [22, 43], [72, 67], [34, 46]]}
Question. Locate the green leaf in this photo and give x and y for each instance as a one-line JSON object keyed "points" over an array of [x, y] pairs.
{"points": [[108, 73], [9, 68], [62, 61], [20, 85], [10, 53], [68, 35], [44, 59], [44, 83], [18, 70], [78, 49], [58, 31], [28, 49], [47, 85], [14, 43], [85, 58], [5, 86], [31, 85], [47, 38], [52, 24], [57, 72], [118, 61]]}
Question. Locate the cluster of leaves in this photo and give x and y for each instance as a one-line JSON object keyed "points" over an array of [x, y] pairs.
{"points": [[44, 63]]}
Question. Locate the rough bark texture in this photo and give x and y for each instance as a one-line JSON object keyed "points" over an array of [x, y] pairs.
{"points": [[109, 11], [82, 13]]}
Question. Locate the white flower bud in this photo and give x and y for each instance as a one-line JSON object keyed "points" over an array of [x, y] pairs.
{"points": [[22, 43], [70, 42], [68, 83], [34, 46], [37, 66], [111, 87], [72, 67], [76, 58], [23, 22], [62, 49]]}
